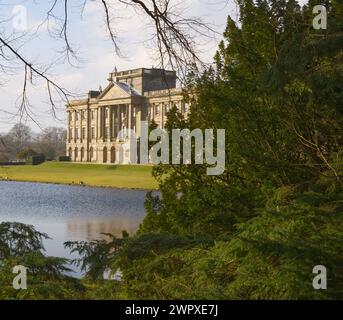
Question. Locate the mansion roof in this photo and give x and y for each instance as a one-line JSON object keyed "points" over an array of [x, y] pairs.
{"points": [[137, 84]]}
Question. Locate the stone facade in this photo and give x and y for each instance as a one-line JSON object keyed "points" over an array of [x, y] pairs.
{"points": [[131, 97]]}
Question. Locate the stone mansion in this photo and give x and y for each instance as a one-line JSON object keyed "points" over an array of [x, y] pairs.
{"points": [[130, 97]]}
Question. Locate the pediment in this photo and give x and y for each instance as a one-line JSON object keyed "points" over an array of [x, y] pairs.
{"points": [[116, 91]]}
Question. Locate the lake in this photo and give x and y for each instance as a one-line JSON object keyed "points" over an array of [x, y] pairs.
{"points": [[71, 213]]}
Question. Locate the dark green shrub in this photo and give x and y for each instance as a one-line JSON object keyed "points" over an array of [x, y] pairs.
{"points": [[35, 160], [64, 158]]}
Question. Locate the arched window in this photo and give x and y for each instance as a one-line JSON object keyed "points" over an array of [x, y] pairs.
{"points": [[91, 151], [82, 153], [70, 153], [105, 155], [113, 155], [76, 154]]}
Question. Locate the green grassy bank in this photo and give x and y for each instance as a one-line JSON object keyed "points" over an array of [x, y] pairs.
{"points": [[114, 176]]}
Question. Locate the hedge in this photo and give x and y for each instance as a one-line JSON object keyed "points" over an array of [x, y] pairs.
{"points": [[64, 158], [35, 160]]}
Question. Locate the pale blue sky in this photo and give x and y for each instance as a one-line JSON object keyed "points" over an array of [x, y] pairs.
{"points": [[96, 52]]}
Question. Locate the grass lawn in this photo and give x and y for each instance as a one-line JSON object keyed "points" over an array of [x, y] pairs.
{"points": [[115, 176]]}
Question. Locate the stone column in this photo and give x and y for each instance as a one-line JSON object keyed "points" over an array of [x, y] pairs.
{"points": [[138, 120], [69, 122], [120, 117], [130, 118], [111, 123], [80, 125], [96, 124], [115, 117], [99, 124], [108, 155], [117, 120], [88, 131], [74, 122], [128, 106], [68, 134], [103, 123]]}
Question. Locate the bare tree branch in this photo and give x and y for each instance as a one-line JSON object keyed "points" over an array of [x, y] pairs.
{"points": [[173, 37]]}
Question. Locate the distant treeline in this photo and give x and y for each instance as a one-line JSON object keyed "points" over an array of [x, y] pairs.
{"points": [[21, 142], [21, 163]]}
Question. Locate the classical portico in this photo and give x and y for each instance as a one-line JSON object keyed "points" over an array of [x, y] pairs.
{"points": [[94, 123]]}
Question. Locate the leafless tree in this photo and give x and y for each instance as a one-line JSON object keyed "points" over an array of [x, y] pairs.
{"points": [[51, 142], [20, 136], [173, 35]]}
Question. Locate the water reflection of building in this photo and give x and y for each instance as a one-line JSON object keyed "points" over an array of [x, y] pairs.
{"points": [[91, 229]]}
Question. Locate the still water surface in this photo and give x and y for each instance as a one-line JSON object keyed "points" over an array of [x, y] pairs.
{"points": [[71, 213]]}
